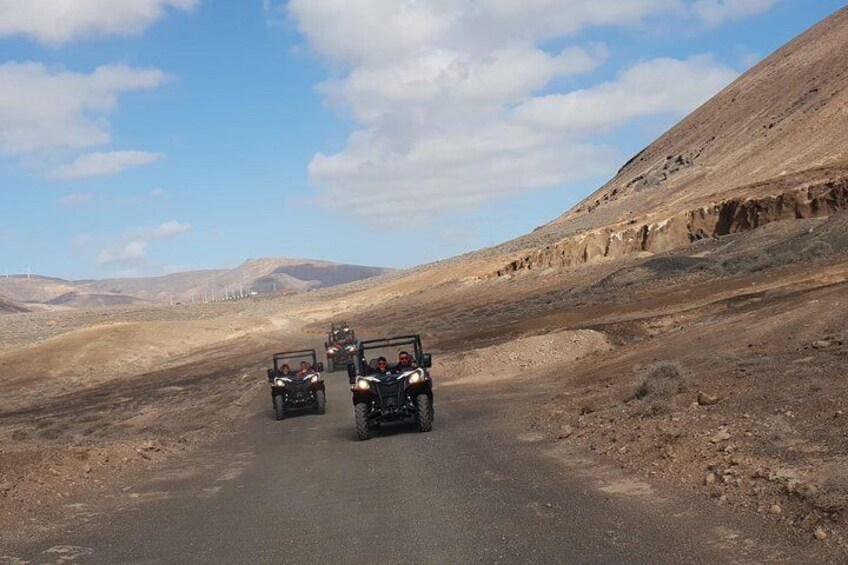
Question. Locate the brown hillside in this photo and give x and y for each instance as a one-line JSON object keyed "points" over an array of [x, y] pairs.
{"points": [[8, 306], [778, 129]]}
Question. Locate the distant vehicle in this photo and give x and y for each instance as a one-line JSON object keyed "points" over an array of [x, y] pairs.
{"points": [[391, 392], [296, 383], [341, 346]]}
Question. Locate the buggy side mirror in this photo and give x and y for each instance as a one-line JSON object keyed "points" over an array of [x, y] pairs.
{"points": [[270, 375], [351, 372], [319, 367], [427, 360]]}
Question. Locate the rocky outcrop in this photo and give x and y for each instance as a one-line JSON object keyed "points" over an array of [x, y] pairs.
{"points": [[729, 216]]}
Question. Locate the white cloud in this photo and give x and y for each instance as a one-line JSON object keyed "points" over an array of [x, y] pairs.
{"points": [[169, 230], [98, 164], [652, 88], [376, 31], [76, 198], [158, 193], [133, 249], [450, 97], [716, 12], [60, 21], [44, 109], [132, 252]]}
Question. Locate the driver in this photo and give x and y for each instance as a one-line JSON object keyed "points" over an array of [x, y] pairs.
{"points": [[382, 366], [305, 369], [405, 361], [285, 370]]}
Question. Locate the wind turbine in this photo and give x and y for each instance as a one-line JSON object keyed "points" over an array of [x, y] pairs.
{"points": [[29, 271]]}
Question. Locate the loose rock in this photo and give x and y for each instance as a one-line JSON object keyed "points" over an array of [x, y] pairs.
{"points": [[705, 399], [720, 436]]}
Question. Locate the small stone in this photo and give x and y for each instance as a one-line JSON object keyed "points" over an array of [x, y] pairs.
{"points": [[776, 509], [87, 469], [820, 534], [839, 414], [134, 495], [720, 436], [821, 344], [705, 399], [807, 491], [710, 479], [565, 432]]}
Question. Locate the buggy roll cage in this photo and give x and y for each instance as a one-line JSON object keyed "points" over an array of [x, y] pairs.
{"points": [[300, 354], [421, 359]]}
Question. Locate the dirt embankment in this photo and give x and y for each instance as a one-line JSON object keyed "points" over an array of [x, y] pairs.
{"points": [[528, 355], [734, 215]]}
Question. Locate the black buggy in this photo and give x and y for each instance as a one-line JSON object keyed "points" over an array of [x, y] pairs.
{"points": [[340, 346], [394, 392], [295, 389]]}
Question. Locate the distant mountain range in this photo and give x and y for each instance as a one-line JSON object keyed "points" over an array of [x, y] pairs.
{"points": [[254, 276]]}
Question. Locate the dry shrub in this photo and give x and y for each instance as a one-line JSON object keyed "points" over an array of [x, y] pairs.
{"points": [[662, 383]]}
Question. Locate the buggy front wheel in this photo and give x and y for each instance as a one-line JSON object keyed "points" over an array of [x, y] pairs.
{"points": [[321, 401], [279, 407], [360, 413], [425, 412]]}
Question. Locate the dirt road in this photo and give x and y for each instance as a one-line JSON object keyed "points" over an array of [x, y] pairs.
{"points": [[479, 488]]}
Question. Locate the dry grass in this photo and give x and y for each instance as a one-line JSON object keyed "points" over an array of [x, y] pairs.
{"points": [[656, 394]]}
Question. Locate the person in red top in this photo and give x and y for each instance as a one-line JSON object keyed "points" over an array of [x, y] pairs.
{"points": [[305, 369]]}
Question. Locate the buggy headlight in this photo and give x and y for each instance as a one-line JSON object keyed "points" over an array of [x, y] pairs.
{"points": [[279, 382], [314, 378], [332, 350], [416, 377], [362, 384]]}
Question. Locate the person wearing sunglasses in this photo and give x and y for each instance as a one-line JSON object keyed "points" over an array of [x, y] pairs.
{"points": [[405, 361], [382, 365]]}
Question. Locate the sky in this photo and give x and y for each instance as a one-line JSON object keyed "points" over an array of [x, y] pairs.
{"points": [[144, 137]]}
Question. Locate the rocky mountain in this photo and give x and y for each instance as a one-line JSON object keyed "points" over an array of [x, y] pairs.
{"points": [[260, 276], [772, 146]]}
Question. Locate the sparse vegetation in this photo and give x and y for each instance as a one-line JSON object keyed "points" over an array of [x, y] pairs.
{"points": [[657, 391]]}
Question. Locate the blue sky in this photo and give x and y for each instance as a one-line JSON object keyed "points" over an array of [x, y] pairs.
{"points": [[372, 131]]}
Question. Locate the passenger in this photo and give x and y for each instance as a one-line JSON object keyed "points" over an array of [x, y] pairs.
{"points": [[405, 361], [285, 370], [305, 369]]}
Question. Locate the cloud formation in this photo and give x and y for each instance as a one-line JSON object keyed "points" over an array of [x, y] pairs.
{"points": [[452, 99], [55, 22], [43, 109], [99, 164], [716, 12], [132, 250]]}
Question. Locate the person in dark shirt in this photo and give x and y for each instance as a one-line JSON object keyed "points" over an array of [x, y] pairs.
{"points": [[382, 366], [405, 361]]}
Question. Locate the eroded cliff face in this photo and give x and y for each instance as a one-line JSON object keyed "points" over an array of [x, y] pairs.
{"points": [[733, 215]]}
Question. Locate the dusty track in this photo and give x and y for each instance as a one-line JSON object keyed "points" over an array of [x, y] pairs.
{"points": [[304, 491]]}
